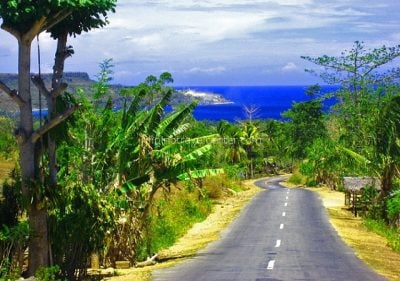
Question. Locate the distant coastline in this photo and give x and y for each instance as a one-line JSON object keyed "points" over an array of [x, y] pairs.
{"points": [[81, 80], [205, 97], [215, 102]]}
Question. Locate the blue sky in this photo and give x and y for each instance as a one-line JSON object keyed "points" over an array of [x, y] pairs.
{"points": [[222, 42]]}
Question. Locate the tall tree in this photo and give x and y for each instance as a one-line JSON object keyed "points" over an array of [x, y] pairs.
{"points": [[384, 160], [360, 73], [358, 68], [306, 124], [79, 21], [250, 137], [25, 19], [231, 138]]}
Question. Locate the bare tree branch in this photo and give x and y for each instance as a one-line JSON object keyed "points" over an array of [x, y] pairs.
{"points": [[52, 20], [51, 124], [39, 83], [12, 94], [11, 30], [35, 30], [59, 90]]}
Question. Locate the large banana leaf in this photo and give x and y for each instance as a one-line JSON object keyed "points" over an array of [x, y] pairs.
{"points": [[179, 130], [168, 125], [157, 113], [196, 174], [356, 156], [197, 153], [132, 185], [176, 158]]}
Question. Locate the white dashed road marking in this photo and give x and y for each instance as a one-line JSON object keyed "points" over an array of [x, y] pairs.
{"points": [[285, 204], [278, 243], [281, 226], [271, 264], [283, 214]]}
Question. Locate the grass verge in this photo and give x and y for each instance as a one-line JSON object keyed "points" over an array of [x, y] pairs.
{"points": [[5, 168], [199, 236], [368, 246]]}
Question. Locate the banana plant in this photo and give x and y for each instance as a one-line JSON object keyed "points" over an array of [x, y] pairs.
{"points": [[153, 148], [152, 152]]}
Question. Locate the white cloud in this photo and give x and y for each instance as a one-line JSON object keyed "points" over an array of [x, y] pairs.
{"points": [[151, 41], [212, 70], [225, 3], [241, 36], [289, 67]]}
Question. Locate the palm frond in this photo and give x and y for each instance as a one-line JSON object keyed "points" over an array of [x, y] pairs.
{"points": [[356, 156]]}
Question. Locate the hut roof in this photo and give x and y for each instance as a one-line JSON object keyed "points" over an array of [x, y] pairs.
{"points": [[357, 183]]}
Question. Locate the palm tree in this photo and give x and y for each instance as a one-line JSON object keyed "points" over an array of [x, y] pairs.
{"points": [[231, 138], [249, 137]]}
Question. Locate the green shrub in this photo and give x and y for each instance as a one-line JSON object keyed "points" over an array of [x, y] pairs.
{"points": [[217, 186], [8, 143], [234, 172], [296, 179], [8, 272], [13, 242], [311, 182], [47, 273], [393, 206], [78, 227], [11, 205]]}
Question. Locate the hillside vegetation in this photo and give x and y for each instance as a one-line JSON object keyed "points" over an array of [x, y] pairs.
{"points": [[81, 81]]}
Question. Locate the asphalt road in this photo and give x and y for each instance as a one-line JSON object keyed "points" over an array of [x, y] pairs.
{"points": [[282, 234]]}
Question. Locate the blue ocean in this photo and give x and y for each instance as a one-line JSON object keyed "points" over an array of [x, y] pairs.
{"points": [[270, 101]]}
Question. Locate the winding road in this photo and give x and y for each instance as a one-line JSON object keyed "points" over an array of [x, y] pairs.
{"points": [[282, 234]]}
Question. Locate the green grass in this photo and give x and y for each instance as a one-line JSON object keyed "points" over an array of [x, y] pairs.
{"points": [[391, 234], [171, 218]]}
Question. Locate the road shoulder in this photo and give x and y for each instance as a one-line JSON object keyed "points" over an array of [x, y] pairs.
{"points": [[368, 246]]}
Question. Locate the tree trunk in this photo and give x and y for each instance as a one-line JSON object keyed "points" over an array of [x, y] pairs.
{"points": [[37, 214], [387, 180], [58, 72], [386, 186]]}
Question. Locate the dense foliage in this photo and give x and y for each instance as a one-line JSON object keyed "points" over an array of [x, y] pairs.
{"points": [[122, 183], [8, 143], [362, 128]]}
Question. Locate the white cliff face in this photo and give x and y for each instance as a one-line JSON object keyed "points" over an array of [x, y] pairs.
{"points": [[205, 98]]}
